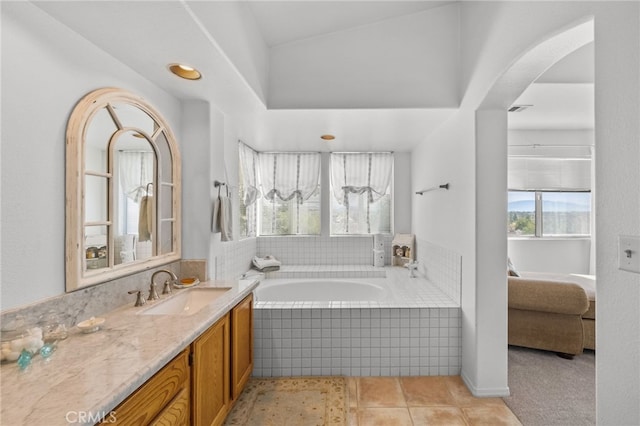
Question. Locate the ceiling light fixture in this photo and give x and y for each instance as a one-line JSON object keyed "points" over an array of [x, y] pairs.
{"points": [[185, 71], [327, 137]]}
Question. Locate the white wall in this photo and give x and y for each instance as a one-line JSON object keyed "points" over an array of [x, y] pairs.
{"points": [[494, 35], [42, 79], [617, 52], [326, 71], [563, 255]]}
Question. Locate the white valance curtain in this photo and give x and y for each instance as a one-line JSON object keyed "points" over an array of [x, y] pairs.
{"points": [[285, 175], [135, 172], [360, 173], [249, 164]]}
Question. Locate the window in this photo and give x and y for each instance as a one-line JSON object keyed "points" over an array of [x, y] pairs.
{"points": [[544, 214], [279, 192], [361, 193], [248, 190], [549, 193], [290, 185]]}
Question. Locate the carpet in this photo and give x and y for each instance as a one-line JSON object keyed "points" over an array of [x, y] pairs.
{"points": [[291, 401], [547, 390]]}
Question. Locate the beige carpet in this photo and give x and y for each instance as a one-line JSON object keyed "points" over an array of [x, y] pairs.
{"points": [[291, 401]]}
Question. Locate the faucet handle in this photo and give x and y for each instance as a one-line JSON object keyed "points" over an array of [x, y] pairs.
{"points": [[167, 287], [153, 292], [140, 301]]}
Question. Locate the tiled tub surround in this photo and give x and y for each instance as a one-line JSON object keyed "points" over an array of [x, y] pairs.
{"points": [[90, 374], [440, 266], [234, 258], [414, 331], [322, 250]]}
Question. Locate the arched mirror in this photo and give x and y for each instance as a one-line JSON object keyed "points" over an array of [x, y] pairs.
{"points": [[123, 189]]}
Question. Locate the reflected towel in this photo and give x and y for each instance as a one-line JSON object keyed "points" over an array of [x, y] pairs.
{"points": [[145, 220], [221, 221]]}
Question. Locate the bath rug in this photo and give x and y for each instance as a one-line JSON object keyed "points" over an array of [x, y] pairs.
{"points": [[285, 401]]}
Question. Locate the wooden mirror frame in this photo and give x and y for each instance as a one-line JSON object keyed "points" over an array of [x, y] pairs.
{"points": [[75, 255]]}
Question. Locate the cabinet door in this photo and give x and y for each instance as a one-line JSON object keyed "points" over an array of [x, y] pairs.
{"points": [[241, 345], [210, 378], [152, 398]]}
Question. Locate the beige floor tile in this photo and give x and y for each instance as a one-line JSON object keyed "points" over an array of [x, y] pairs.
{"points": [[352, 417], [437, 416], [490, 415], [426, 391], [384, 417], [352, 392], [380, 392]]}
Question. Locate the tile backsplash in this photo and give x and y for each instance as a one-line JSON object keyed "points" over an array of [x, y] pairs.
{"points": [[441, 266], [322, 250], [96, 300]]}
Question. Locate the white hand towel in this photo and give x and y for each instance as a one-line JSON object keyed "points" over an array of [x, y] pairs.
{"points": [[145, 218], [265, 262], [221, 221]]}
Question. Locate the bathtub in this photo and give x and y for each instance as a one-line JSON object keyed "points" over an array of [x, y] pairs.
{"points": [[321, 290], [355, 327]]}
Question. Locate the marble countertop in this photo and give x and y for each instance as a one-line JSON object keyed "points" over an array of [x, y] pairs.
{"points": [[90, 374]]}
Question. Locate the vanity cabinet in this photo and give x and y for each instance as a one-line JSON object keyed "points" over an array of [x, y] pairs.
{"points": [[162, 400], [211, 382], [222, 364], [199, 386], [241, 345]]}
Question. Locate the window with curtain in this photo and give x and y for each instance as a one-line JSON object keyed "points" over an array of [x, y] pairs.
{"points": [[549, 195], [290, 186], [135, 174], [361, 192], [248, 190]]}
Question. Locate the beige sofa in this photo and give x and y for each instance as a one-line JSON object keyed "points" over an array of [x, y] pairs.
{"points": [[554, 312]]}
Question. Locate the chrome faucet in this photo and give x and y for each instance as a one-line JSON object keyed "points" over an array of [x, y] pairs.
{"points": [[153, 294], [412, 266]]}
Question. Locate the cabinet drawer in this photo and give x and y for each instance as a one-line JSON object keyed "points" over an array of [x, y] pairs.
{"points": [[155, 395], [177, 413]]}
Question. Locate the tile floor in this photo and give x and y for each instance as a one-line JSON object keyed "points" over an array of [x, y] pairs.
{"points": [[432, 400]]}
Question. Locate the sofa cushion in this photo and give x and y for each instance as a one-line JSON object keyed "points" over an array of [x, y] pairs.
{"points": [[547, 296], [587, 282]]}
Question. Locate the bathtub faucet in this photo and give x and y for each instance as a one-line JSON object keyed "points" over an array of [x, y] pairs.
{"points": [[412, 266]]}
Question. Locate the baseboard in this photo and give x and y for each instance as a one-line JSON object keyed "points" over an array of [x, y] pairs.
{"points": [[484, 392]]}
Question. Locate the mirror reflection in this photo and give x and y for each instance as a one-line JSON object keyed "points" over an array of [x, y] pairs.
{"points": [[129, 192]]}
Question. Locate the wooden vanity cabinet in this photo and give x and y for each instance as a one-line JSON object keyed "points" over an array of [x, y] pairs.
{"points": [[210, 382], [222, 364], [162, 400], [241, 345], [199, 386]]}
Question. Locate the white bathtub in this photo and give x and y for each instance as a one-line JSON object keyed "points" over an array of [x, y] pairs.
{"points": [[393, 326], [321, 290]]}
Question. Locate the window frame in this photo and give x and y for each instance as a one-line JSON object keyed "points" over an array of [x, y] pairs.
{"points": [[538, 216]]}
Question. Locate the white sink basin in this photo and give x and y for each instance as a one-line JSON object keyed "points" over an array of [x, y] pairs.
{"points": [[187, 302]]}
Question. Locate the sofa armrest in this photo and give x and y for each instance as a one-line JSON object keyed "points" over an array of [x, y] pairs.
{"points": [[547, 296]]}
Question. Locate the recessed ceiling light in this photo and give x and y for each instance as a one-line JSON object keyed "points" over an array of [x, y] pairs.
{"points": [[185, 71], [327, 137]]}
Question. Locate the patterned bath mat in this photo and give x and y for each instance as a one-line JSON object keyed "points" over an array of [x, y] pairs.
{"points": [[296, 401]]}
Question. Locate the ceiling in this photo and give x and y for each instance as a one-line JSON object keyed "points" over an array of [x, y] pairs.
{"points": [[282, 22], [231, 44]]}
